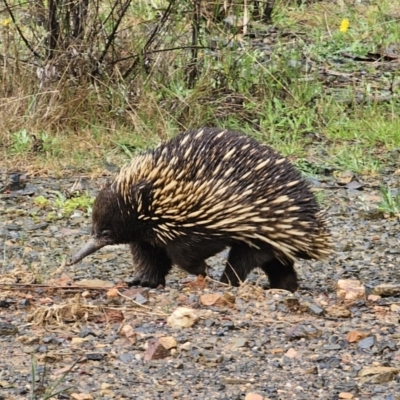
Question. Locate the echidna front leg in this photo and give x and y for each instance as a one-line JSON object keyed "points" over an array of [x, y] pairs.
{"points": [[281, 276], [152, 264]]}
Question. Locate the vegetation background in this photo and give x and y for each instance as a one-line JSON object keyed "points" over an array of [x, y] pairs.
{"points": [[87, 83]]}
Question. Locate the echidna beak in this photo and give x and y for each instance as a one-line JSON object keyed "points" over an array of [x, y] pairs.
{"points": [[90, 247]]}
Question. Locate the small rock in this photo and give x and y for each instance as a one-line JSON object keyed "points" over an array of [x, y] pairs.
{"points": [[355, 336], [33, 340], [386, 290], [229, 325], [30, 349], [24, 303], [155, 350], [229, 297], [300, 331], [239, 342], [140, 299], [395, 308], [86, 294], [292, 353], [81, 396], [112, 293], [4, 304], [5, 384], [34, 227], [76, 341], [85, 331], [350, 289], [373, 297], [378, 379], [377, 375], [253, 396], [234, 381], [182, 317], [132, 293], [210, 358], [126, 358], [311, 371], [315, 309], [338, 312], [292, 304], [213, 299], [367, 343], [332, 347], [108, 394], [7, 329], [105, 386], [186, 346], [128, 332], [95, 283], [168, 342], [95, 356], [345, 395]]}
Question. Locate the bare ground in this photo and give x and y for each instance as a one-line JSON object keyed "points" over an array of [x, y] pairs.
{"points": [[91, 336]]}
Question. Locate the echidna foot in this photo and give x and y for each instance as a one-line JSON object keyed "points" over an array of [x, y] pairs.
{"points": [[146, 281], [281, 275]]}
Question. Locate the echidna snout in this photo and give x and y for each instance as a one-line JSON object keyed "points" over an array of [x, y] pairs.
{"points": [[90, 247]]}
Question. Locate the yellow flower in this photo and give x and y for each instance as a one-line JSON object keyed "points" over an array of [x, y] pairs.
{"points": [[344, 25], [6, 22]]}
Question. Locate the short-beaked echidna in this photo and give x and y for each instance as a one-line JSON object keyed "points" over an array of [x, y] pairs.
{"points": [[203, 191]]}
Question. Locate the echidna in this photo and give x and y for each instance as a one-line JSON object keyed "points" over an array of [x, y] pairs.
{"points": [[203, 191]]}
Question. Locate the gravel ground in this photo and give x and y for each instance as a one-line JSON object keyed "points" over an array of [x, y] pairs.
{"points": [[248, 342]]}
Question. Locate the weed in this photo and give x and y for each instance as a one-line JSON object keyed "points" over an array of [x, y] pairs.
{"points": [[306, 168], [41, 201], [390, 203], [43, 390], [21, 142], [65, 206], [357, 159]]}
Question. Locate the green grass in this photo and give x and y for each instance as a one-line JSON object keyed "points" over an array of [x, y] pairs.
{"points": [[66, 206], [41, 388], [279, 97], [390, 203]]}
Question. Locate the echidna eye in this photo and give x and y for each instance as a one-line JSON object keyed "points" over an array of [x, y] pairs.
{"points": [[106, 233]]}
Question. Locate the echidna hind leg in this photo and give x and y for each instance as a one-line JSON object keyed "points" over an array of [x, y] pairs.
{"points": [[281, 276], [241, 261], [152, 265]]}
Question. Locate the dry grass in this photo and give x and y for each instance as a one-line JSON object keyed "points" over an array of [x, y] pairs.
{"points": [[87, 118]]}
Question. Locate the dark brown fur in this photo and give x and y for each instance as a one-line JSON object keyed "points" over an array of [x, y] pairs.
{"points": [[204, 191]]}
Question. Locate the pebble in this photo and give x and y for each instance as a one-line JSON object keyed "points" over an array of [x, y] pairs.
{"points": [[367, 343]]}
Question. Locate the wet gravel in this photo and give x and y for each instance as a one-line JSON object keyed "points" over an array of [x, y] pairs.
{"points": [[268, 342]]}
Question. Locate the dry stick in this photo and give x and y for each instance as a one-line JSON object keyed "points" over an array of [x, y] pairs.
{"points": [[193, 67], [32, 286], [245, 17], [140, 305], [20, 32], [208, 278], [267, 14], [327, 25], [162, 51], [153, 34], [112, 35]]}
